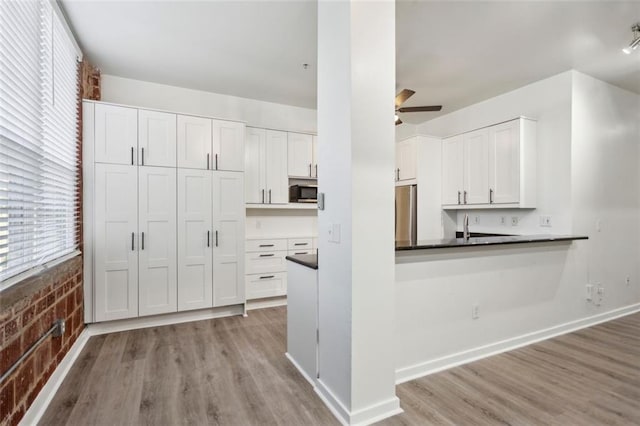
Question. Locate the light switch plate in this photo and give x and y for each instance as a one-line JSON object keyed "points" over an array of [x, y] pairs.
{"points": [[320, 200]]}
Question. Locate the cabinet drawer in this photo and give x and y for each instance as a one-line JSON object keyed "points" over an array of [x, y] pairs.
{"points": [[266, 245], [301, 251], [263, 262], [266, 285], [299, 243]]}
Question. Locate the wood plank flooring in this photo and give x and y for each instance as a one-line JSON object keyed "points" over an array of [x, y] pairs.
{"points": [[232, 371]]}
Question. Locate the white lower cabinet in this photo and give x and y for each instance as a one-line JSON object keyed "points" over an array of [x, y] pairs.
{"points": [[269, 284], [228, 250], [116, 242], [158, 280], [195, 253]]}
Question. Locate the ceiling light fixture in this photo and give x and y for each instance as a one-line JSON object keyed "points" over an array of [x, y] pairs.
{"points": [[636, 40]]}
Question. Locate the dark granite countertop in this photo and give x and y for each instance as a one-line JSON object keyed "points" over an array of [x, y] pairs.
{"points": [[484, 241], [308, 260]]}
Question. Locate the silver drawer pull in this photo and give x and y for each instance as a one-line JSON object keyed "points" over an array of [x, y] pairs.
{"points": [[267, 255], [266, 277], [302, 252], [300, 244], [266, 245]]}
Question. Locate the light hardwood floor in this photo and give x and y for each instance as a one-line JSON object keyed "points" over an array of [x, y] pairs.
{"points": [[232, 371]]}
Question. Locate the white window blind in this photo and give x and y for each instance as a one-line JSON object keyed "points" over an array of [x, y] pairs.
{"points": [[38, 136]]}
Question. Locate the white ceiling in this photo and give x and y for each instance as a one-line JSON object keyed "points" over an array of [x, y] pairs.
{"points": [[450, 52]]}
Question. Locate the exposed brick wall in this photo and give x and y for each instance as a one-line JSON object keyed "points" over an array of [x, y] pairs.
{"points": [[27, 311]]}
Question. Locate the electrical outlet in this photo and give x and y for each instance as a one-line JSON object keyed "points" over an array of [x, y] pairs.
{"points": [[545, 221], [475, 311], [514, 220], [589, 292], [599, 295]]}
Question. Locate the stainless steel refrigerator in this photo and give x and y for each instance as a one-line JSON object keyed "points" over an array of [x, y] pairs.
{"points": [[406, 214]]}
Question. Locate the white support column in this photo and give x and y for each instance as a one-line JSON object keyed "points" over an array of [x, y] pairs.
{"points": [[356, 89]]}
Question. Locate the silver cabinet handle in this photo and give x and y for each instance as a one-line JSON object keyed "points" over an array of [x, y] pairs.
{"points": [[132, 156], [216, 161], [458, 197], [300, 244], [490, 196], [269, 196], [302, 252], [465, 197], [309, 169], [208, 238], [266, 277], [267, 255], [132, 239], [316, 170], [142, 242], [397, 174], [216, 238], [208, 160], [143, 156], [263, 196], [265, 245]]}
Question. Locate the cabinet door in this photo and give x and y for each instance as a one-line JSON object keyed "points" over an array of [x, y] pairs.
{"points": [[300, 154], [156, 138], [228, 250], [254, 173], [195, 240], [228, 145], [194, 142], [476, 167], [116, 242], [504, 162], [406, 159], [276, 178], [452, 170], [158, 286], [315, 157], [116, 134]]}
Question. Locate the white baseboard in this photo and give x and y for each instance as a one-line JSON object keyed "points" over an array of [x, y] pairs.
{"points": [[311, 381], [365, 416], [270, 302], [98, 328], [422, 369], [40, 404]]}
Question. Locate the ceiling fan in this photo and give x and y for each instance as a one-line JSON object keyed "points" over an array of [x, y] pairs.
{"points": [[402, 98]]}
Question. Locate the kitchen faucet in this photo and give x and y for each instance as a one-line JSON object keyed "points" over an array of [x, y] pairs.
{"points": [[465, 230]]}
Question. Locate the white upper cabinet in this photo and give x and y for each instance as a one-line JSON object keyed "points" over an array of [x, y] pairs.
{"points": [[194, 142], [300, 155], [452, 170], [116, 242], [228, 145], [116, 134], [276, 179], [255, 165], [504, 163], [266, 179], [158, 286], [228, 238], [156, 138], [315, 156], [195, 240], [476, 167], [491, 167], [406, 155]]}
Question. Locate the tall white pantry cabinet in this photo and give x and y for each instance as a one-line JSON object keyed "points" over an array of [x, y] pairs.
{"points": [[163, 212]]}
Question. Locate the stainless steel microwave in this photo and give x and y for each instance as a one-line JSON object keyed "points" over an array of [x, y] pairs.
{"points": [[303, 194]]}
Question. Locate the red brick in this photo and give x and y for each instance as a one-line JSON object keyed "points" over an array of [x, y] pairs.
{"points": [[28, 315], [71, 303], [7, 399], [61, 309], [31, 334], [43, 357], [10, 354], [78, 292], [11, 328], [17, 416], [56, 345], [24, 379], [35, 390]]}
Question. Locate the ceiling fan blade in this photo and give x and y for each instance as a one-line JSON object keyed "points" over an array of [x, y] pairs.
{"points": [[403, 96], [398, 121], [420, 108]]}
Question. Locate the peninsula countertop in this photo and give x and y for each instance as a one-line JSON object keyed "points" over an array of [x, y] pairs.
{"points": [[308, 260], [484, 241]]}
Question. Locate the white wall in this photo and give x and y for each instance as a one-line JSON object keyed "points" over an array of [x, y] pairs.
{"points": [[548, 101], [171, 98], [589, 138]]}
